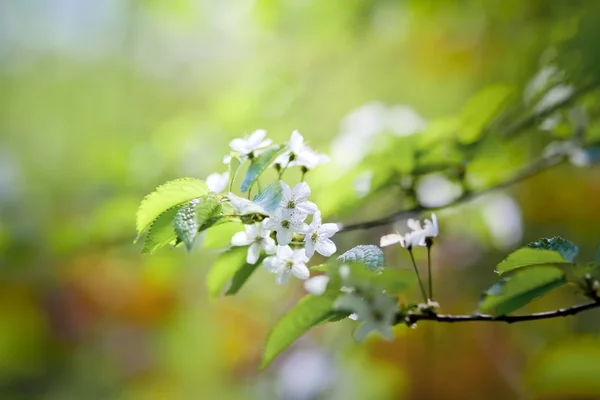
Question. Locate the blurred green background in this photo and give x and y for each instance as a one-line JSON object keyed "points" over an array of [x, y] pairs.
{"points": [[102, 101]]}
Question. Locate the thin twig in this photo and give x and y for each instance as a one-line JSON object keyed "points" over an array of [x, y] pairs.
{"points": [[532, 169], [412, 318]]}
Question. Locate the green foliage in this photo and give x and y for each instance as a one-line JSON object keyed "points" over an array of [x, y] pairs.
{"points": [[168, 195], [161, 232], [269, 196], [307, 313], [567, 249], [391, 280], [369, 255], [195, 217], [224, 269], [480, 111], [259, 164], [544, 251], [234, 167], [567, 370], [240, 276], [512, 293]]}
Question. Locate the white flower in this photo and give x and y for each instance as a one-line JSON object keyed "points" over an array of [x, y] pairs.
{"points": [[378, 314], [227, 159], [317, 237], [300, 154], [217, 182], [258, 238], [245, 206], [285, 224], [253, 142], [431, 227], [295, 200], [411, 239], [316, 285], [287, 262]]}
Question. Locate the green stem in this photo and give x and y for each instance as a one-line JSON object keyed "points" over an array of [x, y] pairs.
{"points": [[429, 271], [412, 258]]}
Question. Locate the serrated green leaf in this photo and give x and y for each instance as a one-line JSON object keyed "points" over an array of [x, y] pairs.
{"points": [[224, 268], [308, 312], [240, 276], [258, 165], [185, 225], [370, 255], [513, 292], [234, 167], [480, 110], [269, 197], [527, 257], [161, 232], [567, 370], [567, 249], [168, 195]]}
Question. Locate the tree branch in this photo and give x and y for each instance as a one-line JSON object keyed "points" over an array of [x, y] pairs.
{"points": [[532, 169], [412, 318]]}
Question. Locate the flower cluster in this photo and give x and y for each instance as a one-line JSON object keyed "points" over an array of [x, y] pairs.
{"points": [[284, 234], [418, 235]]}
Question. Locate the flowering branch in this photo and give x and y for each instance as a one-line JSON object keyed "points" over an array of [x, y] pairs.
{"points": [[412, 318], [532, 169]]}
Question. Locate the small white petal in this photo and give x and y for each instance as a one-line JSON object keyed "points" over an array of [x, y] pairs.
{"points": [[269, 245], [285, 252], [282, 276], [307, 207], [414, 224], [325, 247], [390, 239], [256, 137], [300, 271], [227, 159], [239, 145], [301, 192], [316, 285], [328, 230], [296, 142], [253, 253], [284, 236], [309, 248], [272, 264], [240, 239]]}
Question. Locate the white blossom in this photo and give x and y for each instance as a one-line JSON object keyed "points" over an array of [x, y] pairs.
{"points": [[376, 314], [245, 206], [300, 154], [431, 226], [248, 145], [316, 285], [317, 237], [217, 182], [257, 238], [409, 240], [295, 201], [287, 262], [285, 224]]}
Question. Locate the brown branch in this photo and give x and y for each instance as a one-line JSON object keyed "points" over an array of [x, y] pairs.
{"points": [[412, 318], [532, 169]]}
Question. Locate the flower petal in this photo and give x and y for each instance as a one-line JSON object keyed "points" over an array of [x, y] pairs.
{"points": [[239, 145], [269, 245], [414, 224], [301, 192], [316, 220], [300, 271], [362, 331], [253, 253], [316, 285], [273, 264], [390, 239], [309, 247], [286, 193], [282, 276], [256, 137], [328, 230], [284, 236], [325, 247], [240, 239], [296, 142], [306, 207], [285, 253]]}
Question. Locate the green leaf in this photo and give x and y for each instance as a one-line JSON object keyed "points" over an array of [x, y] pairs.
{"points": [[480, 110], [269, 197], [512, 293], [258, 165], [370, 255], [224, 268], [544, 251], [197, 215], [185, 225], [234, 167], [308, 312], [241, 276], [388, 279], [161, 232], [567, 249], [567, 370], [170, 194]]}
